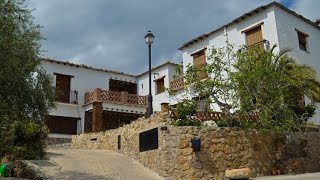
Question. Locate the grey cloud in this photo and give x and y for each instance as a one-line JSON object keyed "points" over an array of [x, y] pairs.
{"points": [[109, 34], [307, 8]]}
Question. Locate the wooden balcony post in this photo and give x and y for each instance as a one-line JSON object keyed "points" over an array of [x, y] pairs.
{"points": [[124, 97], [97, 113], [97, 94]]}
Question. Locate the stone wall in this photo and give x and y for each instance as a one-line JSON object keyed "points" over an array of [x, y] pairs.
{"points": [[221, 149]]}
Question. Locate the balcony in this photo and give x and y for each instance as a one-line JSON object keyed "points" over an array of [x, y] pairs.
{"points": [[177, 84], [264, 44], [114, 97], [71, 97]]}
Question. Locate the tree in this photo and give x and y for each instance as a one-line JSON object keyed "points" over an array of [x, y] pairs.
{"points": [[255, 81], [26, 92], [271, 85], [218, 88]]}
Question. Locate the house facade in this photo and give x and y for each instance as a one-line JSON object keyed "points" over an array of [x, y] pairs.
{"points": [[90, 99], [264, 26]]}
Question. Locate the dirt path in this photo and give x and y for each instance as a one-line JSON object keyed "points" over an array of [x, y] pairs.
{"points": [[93, 164]]}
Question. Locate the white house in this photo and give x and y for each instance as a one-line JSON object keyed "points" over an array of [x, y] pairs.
{"points": [[91, 99], [94, 99], [264, 26]]}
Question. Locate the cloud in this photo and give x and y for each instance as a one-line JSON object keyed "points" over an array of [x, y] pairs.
{"points": [[109, 34], [307, 8]]}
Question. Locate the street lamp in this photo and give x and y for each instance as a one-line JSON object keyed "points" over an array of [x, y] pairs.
{"points": [[149, 40]]}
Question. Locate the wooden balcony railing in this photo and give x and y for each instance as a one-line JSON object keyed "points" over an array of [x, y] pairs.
{"points": [[67, 97], [115, 97], [177, 84], [264, 44]]}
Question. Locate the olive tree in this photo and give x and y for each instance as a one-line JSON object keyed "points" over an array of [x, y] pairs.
{"points": [[26, 92]]}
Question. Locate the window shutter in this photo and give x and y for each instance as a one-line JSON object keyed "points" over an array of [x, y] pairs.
{"points": [[63, 87], [199, 61], [254, 36]]}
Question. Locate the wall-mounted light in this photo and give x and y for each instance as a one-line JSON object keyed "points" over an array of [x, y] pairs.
{"points": [[196, 143], [267, 43]]}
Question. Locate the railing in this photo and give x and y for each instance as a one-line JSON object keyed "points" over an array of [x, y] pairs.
{"points": [[216, 116], [264, 44], [134, 99], [115, 97], [71, 97], [203, 116], [177, 84]]}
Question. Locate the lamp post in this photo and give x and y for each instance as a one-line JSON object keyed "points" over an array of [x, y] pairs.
{"points": [[149, 40]]}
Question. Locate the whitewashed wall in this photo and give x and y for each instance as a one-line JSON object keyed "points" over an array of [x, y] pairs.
{"points": [[234, 35], [84, 80], [168, 71]]}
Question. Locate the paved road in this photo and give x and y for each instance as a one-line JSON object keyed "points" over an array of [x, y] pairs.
{"points": [[93, 164], [309, 176]]}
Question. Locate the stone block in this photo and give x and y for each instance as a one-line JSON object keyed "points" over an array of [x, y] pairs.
{"points": [[242, 173], [186, 151], [183, 144], [181, 159]]}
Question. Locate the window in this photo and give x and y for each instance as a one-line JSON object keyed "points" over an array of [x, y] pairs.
{"points": [[254, 37], [119, 86], [199, 61], [63, 87], [159, 85], [202, 103], [302, 38]]}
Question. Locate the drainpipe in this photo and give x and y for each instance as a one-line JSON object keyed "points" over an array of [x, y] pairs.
{"points": [[225, 32]]}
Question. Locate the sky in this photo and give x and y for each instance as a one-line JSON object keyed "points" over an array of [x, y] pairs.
{"points": [[110, 34]]}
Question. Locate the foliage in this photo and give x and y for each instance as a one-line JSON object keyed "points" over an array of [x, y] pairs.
{"points": [[185, 109], [255, 82], [187, 122], [270, 85], [26, 91], [25, 140], [304, 112], [218, 87]]}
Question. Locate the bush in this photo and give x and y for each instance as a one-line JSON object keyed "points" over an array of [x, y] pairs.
{"points": [[185, 109], [222, 123], [187, 122], [24, 140]]}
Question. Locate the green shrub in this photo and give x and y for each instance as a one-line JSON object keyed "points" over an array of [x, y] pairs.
{"points": [[187, 122], [24, 140], [222, 123], [185, 109]]}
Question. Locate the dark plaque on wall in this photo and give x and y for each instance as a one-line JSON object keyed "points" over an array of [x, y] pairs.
{"points": [[148, 140]]}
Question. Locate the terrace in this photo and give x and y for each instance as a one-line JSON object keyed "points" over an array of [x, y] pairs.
{"points": [[113, 97]]}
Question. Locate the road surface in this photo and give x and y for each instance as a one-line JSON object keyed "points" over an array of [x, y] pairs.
{"points": [[93, 164], [309, 176]]}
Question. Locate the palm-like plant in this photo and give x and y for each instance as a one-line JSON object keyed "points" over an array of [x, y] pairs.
{"points": [[272, 84]]}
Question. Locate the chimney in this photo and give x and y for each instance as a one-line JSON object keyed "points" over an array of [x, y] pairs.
{"points": [[317, 22]]}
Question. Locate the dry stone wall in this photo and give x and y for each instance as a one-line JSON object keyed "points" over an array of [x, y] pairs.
{"points": [[221, 149]]}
